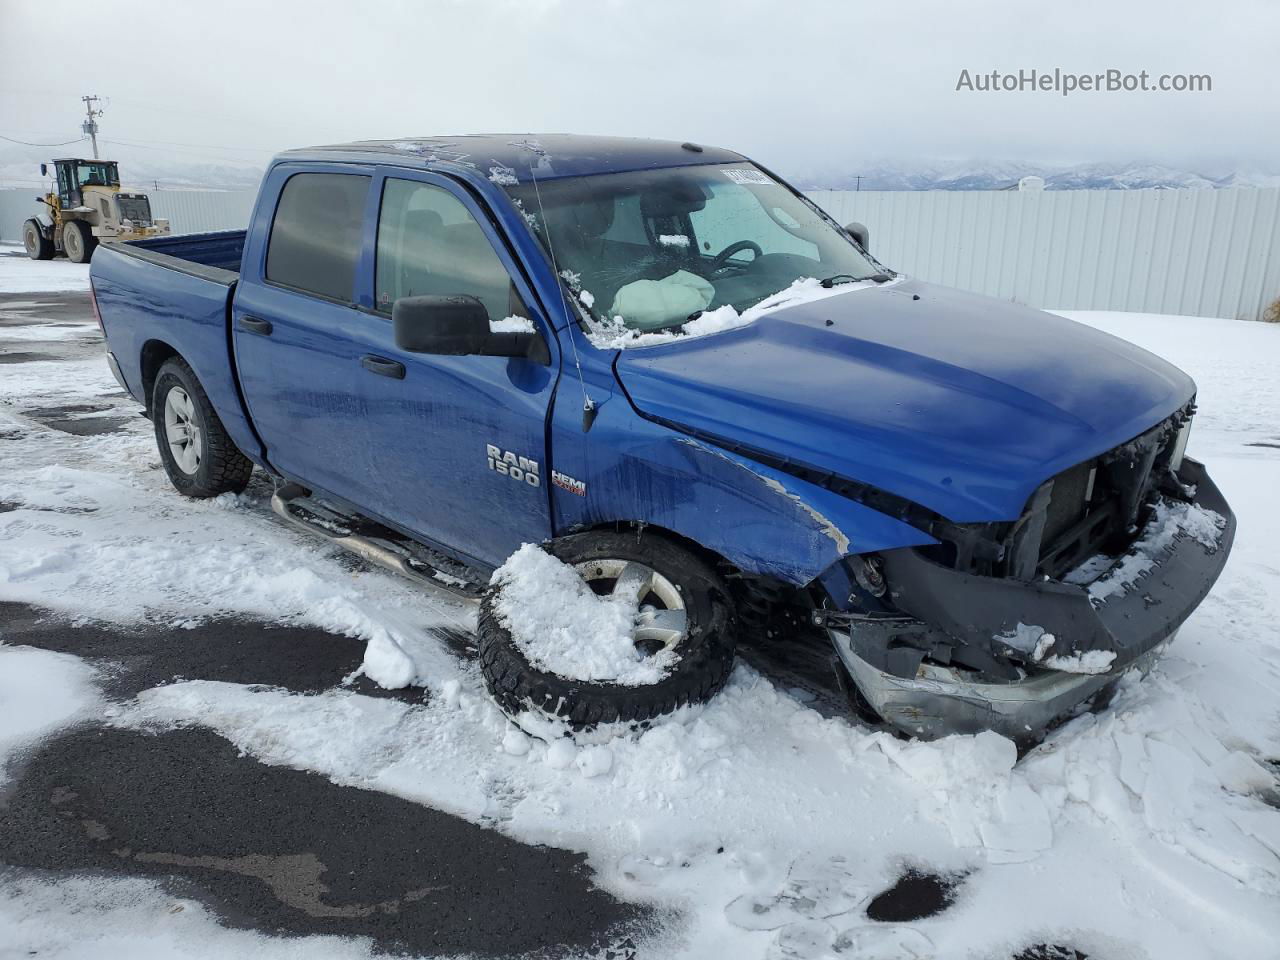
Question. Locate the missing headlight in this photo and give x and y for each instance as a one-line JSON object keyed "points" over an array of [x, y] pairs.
{"points": [[1180, 446]]}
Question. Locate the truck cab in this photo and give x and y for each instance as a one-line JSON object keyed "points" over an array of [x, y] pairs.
{"points": [[688, 384]]}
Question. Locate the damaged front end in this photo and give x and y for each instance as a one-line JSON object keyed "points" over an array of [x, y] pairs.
{"points": [[1009, 627]]}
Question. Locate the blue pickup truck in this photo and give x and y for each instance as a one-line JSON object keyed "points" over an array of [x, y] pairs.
{"points": [[685, 381]]}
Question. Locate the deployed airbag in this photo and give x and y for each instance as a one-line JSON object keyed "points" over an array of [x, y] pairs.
{"points": [[650, 304]]}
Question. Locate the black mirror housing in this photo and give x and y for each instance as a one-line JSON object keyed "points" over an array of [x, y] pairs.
{"points": [[457, 325], [861, 235], [453, 325]]}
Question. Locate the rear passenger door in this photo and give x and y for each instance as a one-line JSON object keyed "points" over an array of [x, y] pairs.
{"points": [[292, 317], [457, 447]]}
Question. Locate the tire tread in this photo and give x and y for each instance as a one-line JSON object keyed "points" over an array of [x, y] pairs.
{"points": [[225, 469]]}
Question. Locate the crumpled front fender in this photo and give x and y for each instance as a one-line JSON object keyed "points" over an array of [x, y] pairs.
{"points": [[763, 521]]}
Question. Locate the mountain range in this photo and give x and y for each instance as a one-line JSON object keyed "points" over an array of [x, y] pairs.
{"points": [[154, 168], [999, 175]]}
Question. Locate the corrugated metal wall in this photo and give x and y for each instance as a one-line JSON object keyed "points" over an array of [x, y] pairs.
{"points": [[1209, 253], [1197, 252], [189, 211], [193, 211]]}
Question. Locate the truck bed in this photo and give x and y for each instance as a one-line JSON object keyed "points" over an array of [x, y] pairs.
{"points": [[172, 295], [198, 253]]}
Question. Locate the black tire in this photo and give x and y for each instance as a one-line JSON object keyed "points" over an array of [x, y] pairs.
{"points": [[219, 466], [78, 241], [37, 245], [707, 652]]}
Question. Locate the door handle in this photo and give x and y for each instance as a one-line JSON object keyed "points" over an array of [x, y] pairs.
{"points": [[256, 325], [382, 366]]}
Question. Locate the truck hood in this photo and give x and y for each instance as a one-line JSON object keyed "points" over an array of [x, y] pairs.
{"points": [[957, 402]]}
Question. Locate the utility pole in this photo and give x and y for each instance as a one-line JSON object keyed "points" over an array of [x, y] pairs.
{"points": [[90, 125], [857, 187]]}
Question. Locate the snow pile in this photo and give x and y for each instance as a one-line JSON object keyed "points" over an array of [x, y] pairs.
{"points": [[616, 335], [21, 275], [387, 663], [1171, 521], [564, 628], [40, 692], [512, 324]]}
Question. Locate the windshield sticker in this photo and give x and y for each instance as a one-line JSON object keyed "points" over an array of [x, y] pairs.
{"points": [[747, 176]]}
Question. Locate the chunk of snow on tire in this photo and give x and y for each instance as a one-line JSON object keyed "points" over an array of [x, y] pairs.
{"points": [[563, 627]]}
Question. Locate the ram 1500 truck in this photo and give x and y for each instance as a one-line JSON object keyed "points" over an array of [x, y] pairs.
{"points": [[684, 380]]}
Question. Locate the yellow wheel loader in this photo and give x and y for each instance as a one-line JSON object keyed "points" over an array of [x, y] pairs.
{"points": [[85, 208]]}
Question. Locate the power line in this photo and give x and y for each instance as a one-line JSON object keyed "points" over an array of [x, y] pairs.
{"points": [[27, 143], [173, 150], [209, 146]]}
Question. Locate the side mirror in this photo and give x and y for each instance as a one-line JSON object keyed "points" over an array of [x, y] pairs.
{"points": [[457, 325], [44, 170], [861, 235]]}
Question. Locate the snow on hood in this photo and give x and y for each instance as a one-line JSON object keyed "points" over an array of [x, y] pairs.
{"points": [[958, 402]]}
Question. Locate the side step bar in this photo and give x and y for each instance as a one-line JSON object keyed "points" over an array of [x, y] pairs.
{"points": [[377, 544]]}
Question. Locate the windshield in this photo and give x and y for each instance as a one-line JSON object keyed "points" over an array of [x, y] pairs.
{"points": [[655, 248], [97, 174]]}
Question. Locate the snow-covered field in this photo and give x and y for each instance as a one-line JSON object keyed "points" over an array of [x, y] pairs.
{"points": [[1148, 830], [21, 275]]}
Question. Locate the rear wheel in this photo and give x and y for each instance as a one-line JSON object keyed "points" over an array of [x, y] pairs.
{"points": [[36, 243], [198, 455], [681, 605], [78, 241]]}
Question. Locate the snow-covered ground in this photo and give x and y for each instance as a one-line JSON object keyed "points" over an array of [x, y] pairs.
{"points": [[19, 274], [1141, 832]]}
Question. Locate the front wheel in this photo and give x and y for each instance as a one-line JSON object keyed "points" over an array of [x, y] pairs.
{"points": [[78, 241], [198, 455], [681, 607], [35, 242]]}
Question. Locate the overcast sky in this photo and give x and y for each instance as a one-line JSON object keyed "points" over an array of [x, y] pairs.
{"points": [[802, 86]]}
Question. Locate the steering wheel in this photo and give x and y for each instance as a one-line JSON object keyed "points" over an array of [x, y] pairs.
{"points": [[722, 258]]}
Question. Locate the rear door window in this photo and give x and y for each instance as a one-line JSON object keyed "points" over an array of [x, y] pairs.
{"points": [[316, 234]]}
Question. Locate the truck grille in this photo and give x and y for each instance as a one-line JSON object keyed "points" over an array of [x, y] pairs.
{"points": [[135, 207], [1067, 504], [1095, 507], [1100, 505]]}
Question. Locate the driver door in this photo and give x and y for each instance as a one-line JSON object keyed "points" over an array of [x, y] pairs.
{"points": [[434, 422]]}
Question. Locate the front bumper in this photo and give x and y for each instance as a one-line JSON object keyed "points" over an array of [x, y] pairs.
{"points": [[940, 702], [1131, 626]]}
